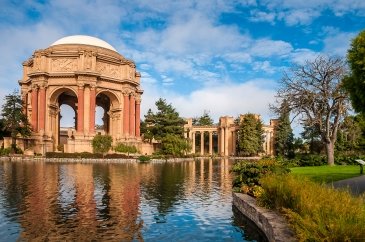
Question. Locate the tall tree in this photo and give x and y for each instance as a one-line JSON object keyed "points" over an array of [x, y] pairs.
{"points": [[355, 82], [167, 127], [15, 121], [350, 135], [250, 136], [314, 93], [204, 120], [284, 138]]}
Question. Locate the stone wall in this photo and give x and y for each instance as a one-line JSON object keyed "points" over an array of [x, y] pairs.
{"points": [[271, 223]]}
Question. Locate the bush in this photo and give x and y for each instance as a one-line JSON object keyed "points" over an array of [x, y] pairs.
{"points": [[248, 173], [5, 151], [144, 158], [102, 143], [315, 212], [125, 148]]}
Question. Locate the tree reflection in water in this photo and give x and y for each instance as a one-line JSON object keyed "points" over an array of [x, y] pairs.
{"points": [[120, 202]]}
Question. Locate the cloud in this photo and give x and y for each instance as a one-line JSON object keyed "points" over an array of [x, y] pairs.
{"points": [[300, 56], [225, 99], [338, 43], [268, 48]]}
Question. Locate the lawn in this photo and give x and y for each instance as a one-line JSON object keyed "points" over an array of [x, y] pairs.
{"points": [[327, 174]]}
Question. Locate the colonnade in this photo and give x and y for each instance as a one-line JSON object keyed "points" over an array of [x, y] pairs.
{"points": [[131, 115]]}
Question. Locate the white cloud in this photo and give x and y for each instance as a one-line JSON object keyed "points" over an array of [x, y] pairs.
{"points": [[261, 16], [225, 99], [268, 48], [338, 43], [300, 56], [264, 66]]}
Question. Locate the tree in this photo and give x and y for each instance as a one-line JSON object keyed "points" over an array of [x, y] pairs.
{"points": [[165, 126], [204, 120], [15, 121], [315, 94], [102, 143], [250, 136], [355, 82], [312, 137], [284, 137], [350, 135]]}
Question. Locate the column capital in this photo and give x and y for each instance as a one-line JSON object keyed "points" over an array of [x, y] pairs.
{"points": [[80, 85]]}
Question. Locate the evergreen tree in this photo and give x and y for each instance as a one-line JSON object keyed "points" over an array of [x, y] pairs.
{"points": [[167, 127], [250, 136], [204, 120], [284, 137], [15, 121]]}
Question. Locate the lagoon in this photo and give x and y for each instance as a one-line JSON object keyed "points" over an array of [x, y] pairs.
{"points": [[168, 201]]}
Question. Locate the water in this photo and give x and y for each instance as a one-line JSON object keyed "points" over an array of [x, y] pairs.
{"points": [[184, 201]]}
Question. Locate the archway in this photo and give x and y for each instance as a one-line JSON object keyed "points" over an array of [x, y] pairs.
{"points": [[106, 105], [63, 106]]}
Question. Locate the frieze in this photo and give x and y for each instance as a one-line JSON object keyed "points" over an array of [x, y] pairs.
{"points": [[64, 64], [108, 69]]}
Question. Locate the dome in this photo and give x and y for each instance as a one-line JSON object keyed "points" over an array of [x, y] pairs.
{"points": [[84, 40]]}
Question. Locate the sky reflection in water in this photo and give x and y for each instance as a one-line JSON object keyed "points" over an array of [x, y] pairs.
{"points": [[184, 201]]}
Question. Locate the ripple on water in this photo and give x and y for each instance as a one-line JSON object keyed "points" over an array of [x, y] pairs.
{"points": [[187, 201]]}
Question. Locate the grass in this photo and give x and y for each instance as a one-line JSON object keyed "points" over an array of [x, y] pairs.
{"points": [[327, 174], [315, 212]]}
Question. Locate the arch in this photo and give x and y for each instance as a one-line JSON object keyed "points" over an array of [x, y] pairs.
{"points": [[114, 99], [54, 95]]}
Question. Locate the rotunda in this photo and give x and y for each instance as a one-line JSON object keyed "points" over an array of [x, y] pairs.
{"points": [[83, 72]]}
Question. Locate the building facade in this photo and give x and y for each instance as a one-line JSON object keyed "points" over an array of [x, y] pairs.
{"points": [[82, 72], [222, 137]]}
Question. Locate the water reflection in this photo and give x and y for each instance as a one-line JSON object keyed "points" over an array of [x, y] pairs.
{"points": [[118, 202]]}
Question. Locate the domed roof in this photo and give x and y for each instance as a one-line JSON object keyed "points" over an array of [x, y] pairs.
{"points": [[84, 40]]}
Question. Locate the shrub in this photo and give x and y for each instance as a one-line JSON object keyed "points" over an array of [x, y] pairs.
{"points": [[316, 212], [144, 158], [5, 151], [125, 148], [249, 172], [102, 143]]}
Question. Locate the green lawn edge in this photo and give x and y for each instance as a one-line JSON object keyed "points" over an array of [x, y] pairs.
{"points": [[327, 174]]}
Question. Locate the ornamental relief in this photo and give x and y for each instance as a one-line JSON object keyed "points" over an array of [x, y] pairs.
{"points": [[108, 69], [64, 64]]}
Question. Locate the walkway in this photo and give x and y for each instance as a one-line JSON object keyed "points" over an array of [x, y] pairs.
{"points": [[356, 185]]}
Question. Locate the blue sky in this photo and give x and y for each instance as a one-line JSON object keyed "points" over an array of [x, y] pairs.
{"points": [[216, 55]]}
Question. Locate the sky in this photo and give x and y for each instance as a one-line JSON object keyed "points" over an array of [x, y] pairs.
{"points": [[222, 56]]}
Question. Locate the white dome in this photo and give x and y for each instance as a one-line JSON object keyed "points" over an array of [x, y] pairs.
{"points": [[84, 40]]}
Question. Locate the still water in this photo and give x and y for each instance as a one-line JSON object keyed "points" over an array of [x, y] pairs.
{"points": [[182, 201]]}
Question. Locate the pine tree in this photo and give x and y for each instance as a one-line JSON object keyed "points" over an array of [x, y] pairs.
{"points": [[15, 121], [250, 136], [284, 138], [167, 127]]}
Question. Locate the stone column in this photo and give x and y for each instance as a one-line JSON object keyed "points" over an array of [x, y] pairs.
{"points": [[193, 140], [42, 108], [226, 141], [138, 118], [234, 142], [202, 143], [92, 110], [80, 109], [132, 115], [210, 143], [125, 115], [221, 145], [35, 109]]}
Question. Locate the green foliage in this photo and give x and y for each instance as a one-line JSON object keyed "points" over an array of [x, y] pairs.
{"points": [[204, 120], [175, 145], [102, 143], [312, 138], [327, 174], [355, 82], [3, 131], [284, 137], [144, 158], [14, 120], [249, 172], [316, 212], [125, 148], [5, 151], [351, 134], [165, 121], [250, 136], [167, 127]]}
